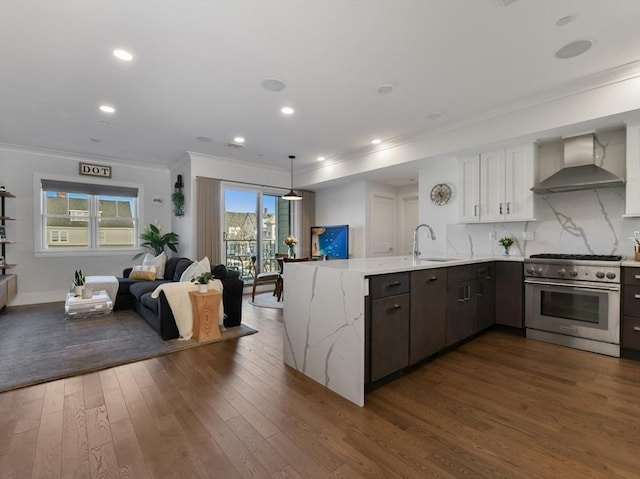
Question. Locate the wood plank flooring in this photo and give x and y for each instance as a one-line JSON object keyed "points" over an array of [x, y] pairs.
{"points": [[500, 406]]}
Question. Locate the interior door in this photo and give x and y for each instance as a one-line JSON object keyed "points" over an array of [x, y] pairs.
{"points": [[407, 222], [383, 225]]}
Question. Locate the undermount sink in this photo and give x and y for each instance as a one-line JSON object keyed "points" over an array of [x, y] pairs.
{"points": [[437, 259]]}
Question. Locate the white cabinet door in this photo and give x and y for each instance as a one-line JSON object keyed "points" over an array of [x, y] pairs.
{"points": [[469, 189], [519, 178], [492, 198], [633, 170]]}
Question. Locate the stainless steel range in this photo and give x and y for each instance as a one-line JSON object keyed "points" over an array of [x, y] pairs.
{"points": [[574, 300]]}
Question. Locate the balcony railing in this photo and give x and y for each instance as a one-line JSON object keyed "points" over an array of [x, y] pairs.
{"points": [[239, 252]]}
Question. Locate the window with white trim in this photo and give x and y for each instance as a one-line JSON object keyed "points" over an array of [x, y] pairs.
{"points": [[88, 216]]}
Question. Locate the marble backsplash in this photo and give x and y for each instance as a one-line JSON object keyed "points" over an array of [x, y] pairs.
{"points": [[583, 222]]}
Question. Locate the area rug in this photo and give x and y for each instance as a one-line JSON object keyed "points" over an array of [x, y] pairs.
{"points": [[267, 300], [38, 344]]}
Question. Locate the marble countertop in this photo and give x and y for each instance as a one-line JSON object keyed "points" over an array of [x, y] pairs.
{"points": [[629, 263], [395, 264]]}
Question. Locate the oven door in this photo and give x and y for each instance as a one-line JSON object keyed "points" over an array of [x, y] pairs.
{"points": [[586, 310]]}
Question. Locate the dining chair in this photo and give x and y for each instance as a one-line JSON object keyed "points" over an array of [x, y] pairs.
{"points": [[271, 277]]}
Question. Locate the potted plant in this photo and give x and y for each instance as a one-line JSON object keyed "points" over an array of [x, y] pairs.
{"points": [[177, 197], [506, 243], [78, 282], [156, 241], [203, 281]]}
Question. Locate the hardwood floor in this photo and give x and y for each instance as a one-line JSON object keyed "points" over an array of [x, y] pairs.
{"points": [[499, 406]]}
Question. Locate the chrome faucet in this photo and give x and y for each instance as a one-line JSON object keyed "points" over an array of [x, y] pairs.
{"points": [[416, 252]]}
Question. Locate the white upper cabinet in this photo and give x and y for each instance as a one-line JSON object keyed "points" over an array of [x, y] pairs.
{"points": [[469, 189], [633, 170], [496, 186]]}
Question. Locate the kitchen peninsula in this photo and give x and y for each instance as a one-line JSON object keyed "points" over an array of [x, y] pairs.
{"points": [[325, 312]]}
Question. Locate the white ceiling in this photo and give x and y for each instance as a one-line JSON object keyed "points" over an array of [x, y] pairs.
{"points": [[198, 67]]}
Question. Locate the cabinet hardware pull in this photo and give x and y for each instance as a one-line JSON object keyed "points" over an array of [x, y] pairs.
{"points": [[637, 276], [508, 207], [394, 284], [500, 208], [433, 278], [475, 210], [393, 308], [636, 328], [568, 329], [637, 296]]}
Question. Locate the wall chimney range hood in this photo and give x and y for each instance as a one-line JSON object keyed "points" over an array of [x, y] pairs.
{"points": [[579, 171]]}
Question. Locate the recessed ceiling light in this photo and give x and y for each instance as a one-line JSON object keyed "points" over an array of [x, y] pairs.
{"points": [[321, 158], [122, 54], [287, 110], [385, 89], [273, 84], [107, 109], [205, 139], [376, 141], [574, 49], [96, 140], [564, 20], [238, 139]]}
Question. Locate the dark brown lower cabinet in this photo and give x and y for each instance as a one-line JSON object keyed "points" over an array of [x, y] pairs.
{"points": [[470, 300], [389, 335], [462, 311], [428, 326], [510, 293], [630, 327]]}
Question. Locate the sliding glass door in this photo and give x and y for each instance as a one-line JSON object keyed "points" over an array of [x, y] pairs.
{"points": [[255, 223]]}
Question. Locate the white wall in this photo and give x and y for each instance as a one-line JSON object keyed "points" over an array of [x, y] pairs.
{"points": [[47, 279], [443, 170], [342, 205]]}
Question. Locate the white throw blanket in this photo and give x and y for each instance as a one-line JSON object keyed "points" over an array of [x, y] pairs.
{"points": [[106, 283], [177, 294]]}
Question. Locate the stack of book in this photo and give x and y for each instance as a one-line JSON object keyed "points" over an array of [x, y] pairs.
{"points": [[98, 304]]}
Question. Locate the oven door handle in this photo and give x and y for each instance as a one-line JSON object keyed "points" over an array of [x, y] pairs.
{"points": [[599, 287]]}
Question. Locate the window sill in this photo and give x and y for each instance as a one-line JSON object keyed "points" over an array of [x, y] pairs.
{"points": [[74, 253]]}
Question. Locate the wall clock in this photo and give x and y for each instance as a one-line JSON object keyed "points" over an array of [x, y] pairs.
{"points": [[440, 194]]}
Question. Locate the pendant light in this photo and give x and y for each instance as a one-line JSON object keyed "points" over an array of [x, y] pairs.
{"points": [[291, 195]]}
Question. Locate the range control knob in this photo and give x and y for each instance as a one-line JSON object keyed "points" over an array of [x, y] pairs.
{"points": [[530, 270], [562, 272], [611, 275], [599, 275], [539, 271], [573, 273]]}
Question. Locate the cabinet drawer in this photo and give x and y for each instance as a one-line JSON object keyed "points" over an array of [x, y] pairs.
{"points": [[630, 333], [631, 276], [631, 301], [388, 285], [460, 274]]}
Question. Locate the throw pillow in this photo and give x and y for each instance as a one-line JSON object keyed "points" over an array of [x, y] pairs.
{"points": [[181, 266], [196, 269], [158, 261], [219, 271], [147, 273]]}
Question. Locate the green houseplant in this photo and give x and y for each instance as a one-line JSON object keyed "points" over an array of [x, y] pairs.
{"points": [[506, 243], [78, 282], [157, 242], [203, 281]]}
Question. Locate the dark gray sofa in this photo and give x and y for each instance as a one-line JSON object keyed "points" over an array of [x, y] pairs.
{"points": [[136, 294]]}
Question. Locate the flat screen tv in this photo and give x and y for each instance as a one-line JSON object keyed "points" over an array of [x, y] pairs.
{"points": [[330, 241]]}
